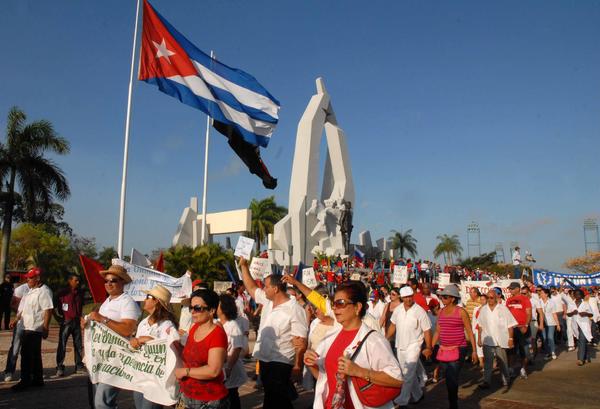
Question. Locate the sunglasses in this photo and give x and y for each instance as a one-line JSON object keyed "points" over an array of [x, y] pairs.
{"points": [[342, 303], [112, 281], [198, 308], [150, 297]]}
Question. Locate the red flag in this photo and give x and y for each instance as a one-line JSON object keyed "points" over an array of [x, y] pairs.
{"points": [[92, 269], [160, 263]]}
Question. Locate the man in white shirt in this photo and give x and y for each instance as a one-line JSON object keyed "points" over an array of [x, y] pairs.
{"points": [[516, 260], [281, 339], [495, 335], [120, 313], [15, 345], [411, 325], [35, 311]]}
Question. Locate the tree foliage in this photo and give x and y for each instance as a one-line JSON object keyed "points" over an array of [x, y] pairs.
{"points": [[265, 214], [587, 264], [448, 246], [404, 242], [206, 262]]}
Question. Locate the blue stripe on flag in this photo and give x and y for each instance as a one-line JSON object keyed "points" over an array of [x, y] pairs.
{"points": [[185, 95], [228, 98], [234, 75]]}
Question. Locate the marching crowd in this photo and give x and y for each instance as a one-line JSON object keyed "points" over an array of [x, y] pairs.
{"points": [[355, 343]]}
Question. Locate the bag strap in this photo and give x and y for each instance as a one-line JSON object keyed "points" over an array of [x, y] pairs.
{"points": [[360, 344]]}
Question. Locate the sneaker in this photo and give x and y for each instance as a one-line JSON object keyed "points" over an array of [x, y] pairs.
{"points": [[571, 349], [554, 356], [80, 369], [483, 385], [60, 372], [523, 373], [8, 377]]}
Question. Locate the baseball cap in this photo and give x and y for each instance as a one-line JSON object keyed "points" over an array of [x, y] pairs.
{"points": [[406, 291], [33, 272]]}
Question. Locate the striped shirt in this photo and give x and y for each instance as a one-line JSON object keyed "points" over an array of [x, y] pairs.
{"points": [[452, 330]]}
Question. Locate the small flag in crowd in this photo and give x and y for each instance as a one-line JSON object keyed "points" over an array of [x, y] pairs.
{"points": [[160, 263], [359, 255], [91, 269], [242, 109]]}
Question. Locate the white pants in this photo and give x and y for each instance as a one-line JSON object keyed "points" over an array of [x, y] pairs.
{"points": [[414, 374], [570, 332]]}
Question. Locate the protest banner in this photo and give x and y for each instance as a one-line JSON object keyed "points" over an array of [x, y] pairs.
{"points": [[221, 286], [259, 268], [550, 279], [145, 279], [244, 247], [400, 275], [484, 287], [308, 278], [149, 369]]}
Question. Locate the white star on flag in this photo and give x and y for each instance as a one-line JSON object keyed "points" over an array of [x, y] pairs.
{"points": [[162, 50]]}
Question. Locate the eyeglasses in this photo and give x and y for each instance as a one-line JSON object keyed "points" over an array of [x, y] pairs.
{"points": [[150, 297], [342, 303], [198, 308], [112, 281]]}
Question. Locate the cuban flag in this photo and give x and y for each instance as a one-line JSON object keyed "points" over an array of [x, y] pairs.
{"points": [[242, 109], [359, 255]]}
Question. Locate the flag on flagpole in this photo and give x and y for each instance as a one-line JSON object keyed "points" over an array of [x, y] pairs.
{"points": [[91, 269], [160, 263], [242, 109]]}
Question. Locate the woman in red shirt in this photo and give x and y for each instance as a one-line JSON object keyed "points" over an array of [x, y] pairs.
{"points": [[201, 378]]}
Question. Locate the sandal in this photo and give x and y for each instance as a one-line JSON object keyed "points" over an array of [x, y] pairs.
{"points": [[579, 363]]}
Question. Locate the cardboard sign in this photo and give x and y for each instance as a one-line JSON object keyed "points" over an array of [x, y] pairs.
{"points": [[308, 278], [400, 275], [244, 247], [259, 268], [443, 280], [221, 286]]}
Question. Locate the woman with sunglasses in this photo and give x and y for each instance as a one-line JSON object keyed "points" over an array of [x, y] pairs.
{"points": [[387, 313], [331, 365], [157, 325], [201, 378], [453, 322]]}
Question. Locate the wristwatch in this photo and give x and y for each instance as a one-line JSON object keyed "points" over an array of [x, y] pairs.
{"points": [[368, 377], [106, 321]]}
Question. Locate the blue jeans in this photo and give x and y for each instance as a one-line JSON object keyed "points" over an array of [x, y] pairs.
{"points": [[517, 271], [582, 353], [15, 348], [548, 338], [452, 371], [105, 396], [141, 403]]}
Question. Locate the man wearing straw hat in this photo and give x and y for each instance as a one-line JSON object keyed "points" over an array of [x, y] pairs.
{"points": [[120, 313]]}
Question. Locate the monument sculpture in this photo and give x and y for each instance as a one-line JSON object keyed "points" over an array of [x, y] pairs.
{"points": [[317, 222]]}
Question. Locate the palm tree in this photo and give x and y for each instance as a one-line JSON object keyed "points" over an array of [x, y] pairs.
{"points": [[404, 241], [448, 246], [22, 162], [265, 213]]}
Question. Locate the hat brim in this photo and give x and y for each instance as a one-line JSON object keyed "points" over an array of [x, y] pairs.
{"points": [[156, 297], [123, 276]]}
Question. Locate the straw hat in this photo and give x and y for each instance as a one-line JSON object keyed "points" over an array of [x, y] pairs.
{"points": [[118, 271], [161, 294]]}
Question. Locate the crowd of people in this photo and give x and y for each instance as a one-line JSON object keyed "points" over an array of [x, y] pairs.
{"points": [[355, 343]]}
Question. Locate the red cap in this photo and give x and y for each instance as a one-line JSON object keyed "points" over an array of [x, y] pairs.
{"points": [[33, 272], [196, 282]]}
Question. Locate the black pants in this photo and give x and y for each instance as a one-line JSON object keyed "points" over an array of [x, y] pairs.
{"points": [[234, 399], [275, 377], [452, 372], [69, 328], [5, 311], [31, 358]]}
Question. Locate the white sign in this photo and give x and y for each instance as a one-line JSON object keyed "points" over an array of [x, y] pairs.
{"points": [[308, 278], [400, 275], [484, 287], [259, 268], [443, 280], [221, 286], [149, 369], [145, 279], [355, 277], [244, 247]]}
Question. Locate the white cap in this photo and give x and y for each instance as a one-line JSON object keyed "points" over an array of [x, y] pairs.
{"points": [[406, 292]]}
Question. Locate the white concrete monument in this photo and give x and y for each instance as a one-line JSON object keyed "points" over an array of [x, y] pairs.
{"points": [[317, 223]]}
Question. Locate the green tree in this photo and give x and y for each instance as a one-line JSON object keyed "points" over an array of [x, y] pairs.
{"points": [[206, 262], [448, 246], [404, 242], [265, 213], [106, 255], [23, 167]]}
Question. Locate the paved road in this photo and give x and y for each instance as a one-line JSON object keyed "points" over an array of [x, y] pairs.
{"points": [[558, 384]]}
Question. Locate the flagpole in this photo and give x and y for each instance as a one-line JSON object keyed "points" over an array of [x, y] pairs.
{"points": [[203, 233], [126, 148]]}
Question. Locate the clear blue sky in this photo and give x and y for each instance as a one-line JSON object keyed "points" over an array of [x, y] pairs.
{"points": [[454, 111]]}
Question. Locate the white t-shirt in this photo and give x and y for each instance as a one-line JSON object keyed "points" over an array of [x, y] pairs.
{"points": [[377, 310], [121, 308], [549, 307], [410, 325], [516, 258], [21, 291], [494, 325], [33, 307], [158, 330], [277, 328], [235, 339]]}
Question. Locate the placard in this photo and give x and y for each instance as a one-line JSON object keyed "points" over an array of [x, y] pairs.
{"points": [[259, 268], [220, 287], [244, 247], [400, 275], [355, 277], [308, 278], [443, 280]]}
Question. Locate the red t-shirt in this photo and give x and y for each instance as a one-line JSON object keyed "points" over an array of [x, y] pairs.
{"points": [[195, 354], [330, 277], [380, 279], [518, 305], [336, 350], [421, 301]]}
